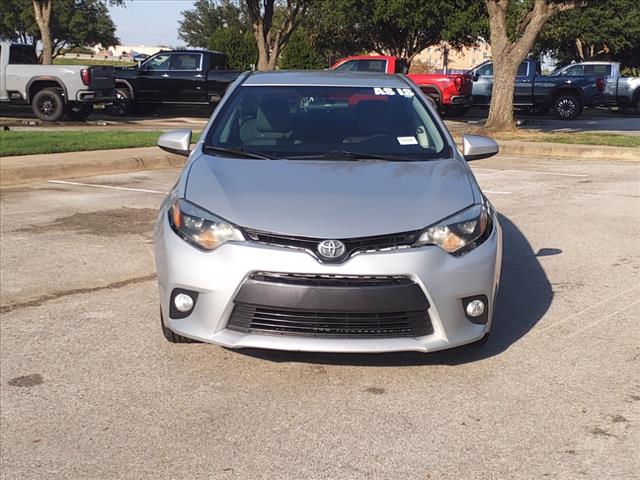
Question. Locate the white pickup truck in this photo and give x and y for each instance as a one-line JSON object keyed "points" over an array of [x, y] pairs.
{"points": [[52, 90], [619, 91]]}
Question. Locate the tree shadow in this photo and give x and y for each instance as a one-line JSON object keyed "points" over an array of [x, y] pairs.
{"points": [[524, 297]]}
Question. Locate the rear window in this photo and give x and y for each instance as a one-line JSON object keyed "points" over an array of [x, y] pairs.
{"points": [[290, 121], [22, 55]]}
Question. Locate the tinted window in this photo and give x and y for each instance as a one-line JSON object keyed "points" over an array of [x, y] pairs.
{"points": [[22, 55], [485, 70], [575, 71], [348, 66], [598, 70], [401, 66], [218, 62], [290, 121], [523, 69], [185, 61], [159, 62], [372, 66]]}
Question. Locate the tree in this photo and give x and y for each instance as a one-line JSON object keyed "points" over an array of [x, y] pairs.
{"points": [[301, 53], [42, 9], [598, 31], [272, 31], [510, 46], [239, 45], [73, 23], [207, 16]]}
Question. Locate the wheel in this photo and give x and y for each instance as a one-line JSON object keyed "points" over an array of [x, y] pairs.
{"points": [[48, 105], [567, 107], [174, 337], [77, 111], [122, 106]]}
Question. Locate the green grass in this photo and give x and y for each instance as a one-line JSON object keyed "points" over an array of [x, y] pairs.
{"points": [[612, 140], [91, 61], [35, 142]]}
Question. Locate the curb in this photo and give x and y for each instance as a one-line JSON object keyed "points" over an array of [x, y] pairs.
{"points": [[35, 168]]}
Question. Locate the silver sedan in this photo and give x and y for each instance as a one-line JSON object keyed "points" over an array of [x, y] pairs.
{"points": [[327, 212]]}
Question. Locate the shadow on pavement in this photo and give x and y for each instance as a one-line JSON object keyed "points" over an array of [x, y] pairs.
{"points": [[524, 297]]}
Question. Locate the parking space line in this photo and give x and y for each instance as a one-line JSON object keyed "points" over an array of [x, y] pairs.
{"points": [[533, 172], [112, 187], [577, 332], [495, 192]]}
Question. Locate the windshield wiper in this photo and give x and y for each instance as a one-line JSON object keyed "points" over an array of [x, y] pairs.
{"points": [[238, 152], [351, 156]]}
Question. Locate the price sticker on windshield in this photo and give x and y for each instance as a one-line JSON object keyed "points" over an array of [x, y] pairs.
{"points": [[389, 92]]}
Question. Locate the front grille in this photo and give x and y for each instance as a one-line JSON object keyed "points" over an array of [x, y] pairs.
{"points": [[253, 319], [353, 245], [331, 280]]}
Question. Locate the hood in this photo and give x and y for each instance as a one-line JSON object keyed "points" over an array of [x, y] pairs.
{"points": [[329, 199]]}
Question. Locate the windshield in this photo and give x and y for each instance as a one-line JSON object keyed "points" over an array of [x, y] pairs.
{"points": [[306, 121]]}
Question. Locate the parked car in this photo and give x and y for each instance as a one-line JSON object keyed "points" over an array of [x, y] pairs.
{"points": [[452, 92], [327, 211], [619, 91], [52, 90], [139, 57], [176, 77], [538, 93]]}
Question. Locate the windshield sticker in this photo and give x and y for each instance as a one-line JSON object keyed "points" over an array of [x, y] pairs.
{"points": [[388, 91], [407, 141]]}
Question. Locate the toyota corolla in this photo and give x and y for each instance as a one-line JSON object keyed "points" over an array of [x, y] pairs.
{"points": [[327, 212]]}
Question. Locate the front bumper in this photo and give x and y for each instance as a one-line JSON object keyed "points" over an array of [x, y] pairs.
{"points": [[219, 275], [460, 100]]}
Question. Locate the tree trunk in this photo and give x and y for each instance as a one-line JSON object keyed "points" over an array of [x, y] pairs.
{"points": [[42, 9], [508, 54]]}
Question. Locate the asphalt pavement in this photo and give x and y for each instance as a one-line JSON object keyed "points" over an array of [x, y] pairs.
{"points": [[90, 389]]}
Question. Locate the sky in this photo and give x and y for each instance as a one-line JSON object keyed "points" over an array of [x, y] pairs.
{"points": [[149, 22]]}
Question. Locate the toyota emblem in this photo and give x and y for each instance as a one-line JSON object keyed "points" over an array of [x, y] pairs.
{"points": [[331, 249]]}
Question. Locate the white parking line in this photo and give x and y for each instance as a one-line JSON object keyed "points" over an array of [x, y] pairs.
{"points": [[533, 172], [112, 187], [495, 192]]}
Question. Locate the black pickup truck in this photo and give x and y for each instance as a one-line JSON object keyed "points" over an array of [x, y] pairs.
{"points": [[537, 93], [176, 77]]}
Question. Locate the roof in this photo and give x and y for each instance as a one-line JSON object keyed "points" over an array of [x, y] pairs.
{"points": [[325, 78]]}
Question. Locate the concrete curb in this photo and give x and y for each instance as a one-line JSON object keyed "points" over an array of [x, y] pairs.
{"points": [[35, 168]]}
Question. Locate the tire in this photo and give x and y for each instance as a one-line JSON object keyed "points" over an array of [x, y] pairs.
{"points": [[172, 337], [122, 106], [48, 105], [567, 107], [77, 111]]}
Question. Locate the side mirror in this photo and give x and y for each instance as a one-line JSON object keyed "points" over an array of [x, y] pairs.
{"points": [[177, 141], [475, 77], [475, 147]]}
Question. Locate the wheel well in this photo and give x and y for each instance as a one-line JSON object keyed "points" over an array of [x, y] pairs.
{"points": [[38, 85], [566, 91], [127, 85], [433, 92]]}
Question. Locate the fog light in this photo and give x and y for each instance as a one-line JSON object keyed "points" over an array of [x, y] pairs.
{"points": [[184, 302], [475, 308]]}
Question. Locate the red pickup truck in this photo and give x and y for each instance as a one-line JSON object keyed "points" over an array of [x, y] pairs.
{"points": [[452, 92]]}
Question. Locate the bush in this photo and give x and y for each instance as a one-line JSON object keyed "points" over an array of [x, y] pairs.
{"points": [[239, 46], [300, 53]]}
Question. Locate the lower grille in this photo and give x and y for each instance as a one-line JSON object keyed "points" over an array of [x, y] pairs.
{"points": [[327, 280], [254, 319]]}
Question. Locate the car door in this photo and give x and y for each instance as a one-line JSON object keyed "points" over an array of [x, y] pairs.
{"points": [[482, 84], [523, 92], [151, 83], [187, 79]]}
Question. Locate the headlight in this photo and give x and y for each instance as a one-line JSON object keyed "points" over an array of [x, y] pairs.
{"points": [[201, 228], [461, 232]]}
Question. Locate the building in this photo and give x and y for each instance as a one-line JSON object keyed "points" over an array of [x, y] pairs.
{"points": [[128, 50], [438, 58]]}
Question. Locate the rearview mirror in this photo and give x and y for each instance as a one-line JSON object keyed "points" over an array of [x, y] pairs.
{"points": [[475, 147], [176, 141]]}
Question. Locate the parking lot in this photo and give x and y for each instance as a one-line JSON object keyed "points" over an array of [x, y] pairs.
{"points": [[90, 388]]}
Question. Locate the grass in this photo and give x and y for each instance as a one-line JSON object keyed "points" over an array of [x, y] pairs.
{"points": [[577, 138], [91, 61], [36, 142]]}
